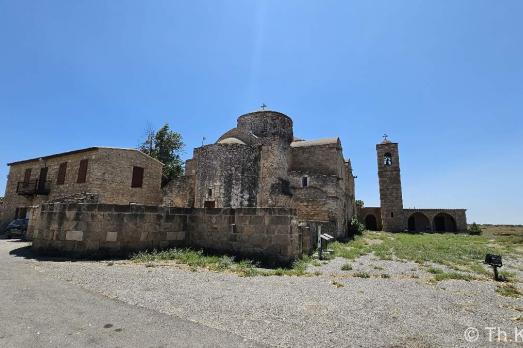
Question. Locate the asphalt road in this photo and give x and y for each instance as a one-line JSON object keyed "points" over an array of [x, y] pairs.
{"points": [[36, 311]]}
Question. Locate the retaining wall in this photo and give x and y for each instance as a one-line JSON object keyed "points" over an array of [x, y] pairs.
{"points": [[270, 234]]}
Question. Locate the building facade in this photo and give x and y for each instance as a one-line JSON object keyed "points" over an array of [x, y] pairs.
{"points": [[94, 175]]}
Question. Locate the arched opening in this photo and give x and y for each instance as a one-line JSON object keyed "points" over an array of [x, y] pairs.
{"points": [[371, 224], [387, 159], [418, 222], [443, 222]]}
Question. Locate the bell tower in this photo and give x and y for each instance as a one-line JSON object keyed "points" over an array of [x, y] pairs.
{"points": [[390, 186]]}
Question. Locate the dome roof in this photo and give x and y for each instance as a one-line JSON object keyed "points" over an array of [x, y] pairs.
{"points": [[231, 141], [238, 135]]}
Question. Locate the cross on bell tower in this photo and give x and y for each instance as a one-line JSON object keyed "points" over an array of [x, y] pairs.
{"points": [[263, 106]]}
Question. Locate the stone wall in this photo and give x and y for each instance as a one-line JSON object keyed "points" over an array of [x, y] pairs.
{"points": [[270, 234], [329, 194], [109, 175], [179, 192], [226, 174]]}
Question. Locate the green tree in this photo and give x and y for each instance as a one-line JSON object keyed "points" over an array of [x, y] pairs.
{"points": [[359, 203], [165, 145]]}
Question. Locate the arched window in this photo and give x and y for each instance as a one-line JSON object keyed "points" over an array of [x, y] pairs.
{"points": [[387, 159], [304, 181]]}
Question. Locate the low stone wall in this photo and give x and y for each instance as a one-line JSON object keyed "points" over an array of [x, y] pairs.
{"points": [[270, 234]]}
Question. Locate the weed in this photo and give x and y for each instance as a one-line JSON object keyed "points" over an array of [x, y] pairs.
{"points": [[435, 270], [452, 276], [336, 284], [508, 290], [346, 267], [362, 275], [385, 276]]}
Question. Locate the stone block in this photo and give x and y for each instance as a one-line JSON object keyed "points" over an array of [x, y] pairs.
{"points": [[243, 220], [247, 211], [257, 220], [74, 235], [92, 245], [175, 235], [111, 236], [279, 229], [278, 220]]}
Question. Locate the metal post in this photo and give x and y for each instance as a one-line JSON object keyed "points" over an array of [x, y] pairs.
{"points": [[320, 249], [496, 276]]}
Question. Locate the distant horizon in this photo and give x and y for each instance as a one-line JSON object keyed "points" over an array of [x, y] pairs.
{"points": [[442, 79]]}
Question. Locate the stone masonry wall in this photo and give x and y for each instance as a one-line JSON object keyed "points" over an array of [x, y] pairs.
{"points": [[227, 174], [326, 197], [390, 187], [109, 174], [270, 234]]}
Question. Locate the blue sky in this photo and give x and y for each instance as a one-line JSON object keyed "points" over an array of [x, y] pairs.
{"points": [[442, 78]]}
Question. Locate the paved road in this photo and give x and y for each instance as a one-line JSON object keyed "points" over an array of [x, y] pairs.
{"points": [[36, 311]]}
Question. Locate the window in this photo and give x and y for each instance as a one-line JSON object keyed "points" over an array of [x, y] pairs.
{"points": [[209, 193], [304, 181], [391, 214], [62, 170], [27, 175], [82, 171], [137, 177], [387, 159]]}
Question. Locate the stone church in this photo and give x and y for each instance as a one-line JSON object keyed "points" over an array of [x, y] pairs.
{"points": [[260, 163]]}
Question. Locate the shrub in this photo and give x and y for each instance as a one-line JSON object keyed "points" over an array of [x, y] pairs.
{"points": [[356, 227], [474, 229]]}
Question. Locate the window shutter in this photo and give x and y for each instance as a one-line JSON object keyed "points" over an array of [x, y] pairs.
{"points": [[62, 170], [27, 175], [82, 171], [137, 180]]}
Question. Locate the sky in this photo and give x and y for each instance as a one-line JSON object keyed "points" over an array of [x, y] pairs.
{"points": [[443, 78]]}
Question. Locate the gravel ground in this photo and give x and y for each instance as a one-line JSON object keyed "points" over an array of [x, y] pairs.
{"points": [[334, 308]]}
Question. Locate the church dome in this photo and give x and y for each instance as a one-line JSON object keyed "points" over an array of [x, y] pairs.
{"points": [[238, 136], [231, 141]]}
